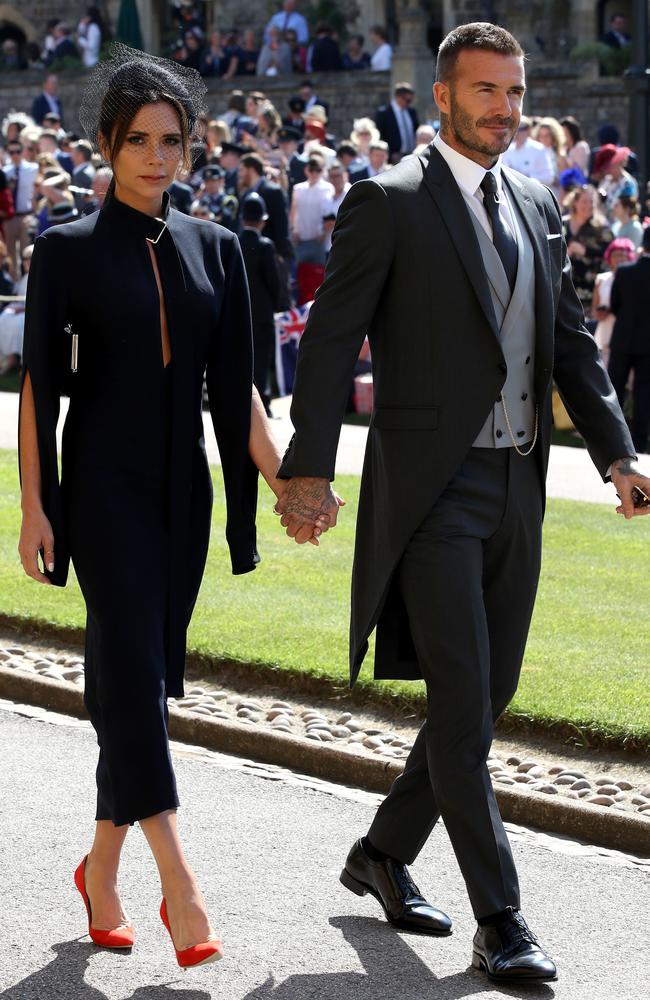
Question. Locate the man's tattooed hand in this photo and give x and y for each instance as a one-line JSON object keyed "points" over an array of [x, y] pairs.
{"points": [[626, 466], [309, 507], [628, 479]]}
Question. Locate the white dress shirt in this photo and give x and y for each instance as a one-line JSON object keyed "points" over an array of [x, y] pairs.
{"points": [[405, 126], [331, 207], [289, 21], [468, 175], [531, 159], [26, 179], [382, 59], [310, 201]]}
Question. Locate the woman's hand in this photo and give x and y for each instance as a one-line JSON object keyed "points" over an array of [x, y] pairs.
{"points": [[35, 535], [576, 249]]}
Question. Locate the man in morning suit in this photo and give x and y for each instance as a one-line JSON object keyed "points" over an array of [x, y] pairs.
{"points": [[398, 122], [458, 272], [264, 288], [47, 101], [251, 179], [630, 343]]}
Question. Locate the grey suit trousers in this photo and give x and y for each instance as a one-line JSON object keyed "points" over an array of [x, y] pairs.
{"points": [[468, 579]]}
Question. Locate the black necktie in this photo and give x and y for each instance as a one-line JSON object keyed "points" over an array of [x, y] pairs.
{"points": [[504, 242]]}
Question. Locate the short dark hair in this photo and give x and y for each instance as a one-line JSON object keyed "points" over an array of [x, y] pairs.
{"points": [[477, 35], [379, 29], [315, 162], [573, 127], [85, 148], [253, 160], [346, 148], [237, 101]]}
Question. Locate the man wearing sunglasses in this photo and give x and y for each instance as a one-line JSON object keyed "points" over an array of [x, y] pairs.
{"points": [[21, 176]]}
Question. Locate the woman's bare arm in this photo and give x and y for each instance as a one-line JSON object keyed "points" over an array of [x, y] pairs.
{"points": [[36, 530], [262, 446]]}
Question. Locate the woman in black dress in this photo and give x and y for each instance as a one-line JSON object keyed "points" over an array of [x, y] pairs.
{"points": [[127, 310]]}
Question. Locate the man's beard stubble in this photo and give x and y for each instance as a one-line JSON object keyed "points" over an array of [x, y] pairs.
{"points": [[465, 130]]}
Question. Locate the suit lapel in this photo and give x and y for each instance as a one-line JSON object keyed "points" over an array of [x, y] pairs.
{"points": [[439, 182], [544, 312]]}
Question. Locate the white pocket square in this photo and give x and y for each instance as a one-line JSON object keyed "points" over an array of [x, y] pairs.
{"points": [[554, 236]]}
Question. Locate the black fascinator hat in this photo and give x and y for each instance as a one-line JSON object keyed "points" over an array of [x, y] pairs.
{"points": [[118, 87]]}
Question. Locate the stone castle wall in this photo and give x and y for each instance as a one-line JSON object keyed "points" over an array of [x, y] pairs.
{"points": [[350, 95]]}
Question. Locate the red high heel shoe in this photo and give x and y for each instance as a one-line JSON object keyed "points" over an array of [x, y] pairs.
{"points": [[198, 954], [121, 937]]}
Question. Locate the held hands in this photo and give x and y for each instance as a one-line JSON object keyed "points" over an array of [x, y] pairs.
{"points": [[36, 535], [626, 475], [308, 507]]}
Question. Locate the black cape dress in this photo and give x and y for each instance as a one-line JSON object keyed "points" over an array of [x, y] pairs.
{"points": [[133, 504]]}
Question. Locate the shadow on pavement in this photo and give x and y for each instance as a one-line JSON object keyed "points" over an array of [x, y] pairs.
{"points": [[64, 977], [392, 970]]}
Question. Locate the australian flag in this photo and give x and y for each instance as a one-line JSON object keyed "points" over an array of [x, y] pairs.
{"points": [[289, 328]]}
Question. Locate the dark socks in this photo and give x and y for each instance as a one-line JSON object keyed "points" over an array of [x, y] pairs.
{"points": [[372, 852], [496, 918]]}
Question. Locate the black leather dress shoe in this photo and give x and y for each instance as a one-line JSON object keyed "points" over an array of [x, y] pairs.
{"points": [[390, 883], [508, 950]]}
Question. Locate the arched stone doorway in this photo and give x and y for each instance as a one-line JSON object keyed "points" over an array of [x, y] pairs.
{"points": [[14, 25]]}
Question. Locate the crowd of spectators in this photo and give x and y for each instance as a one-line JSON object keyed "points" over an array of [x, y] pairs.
{"points": [[64, 46], [289, 159], [285, 46]]}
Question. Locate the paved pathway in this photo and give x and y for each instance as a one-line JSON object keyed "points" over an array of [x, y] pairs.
{"points": [[571, 472], [267, 846]]}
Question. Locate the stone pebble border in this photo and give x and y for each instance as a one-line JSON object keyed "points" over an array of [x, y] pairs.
{"points": [[606, 810]]}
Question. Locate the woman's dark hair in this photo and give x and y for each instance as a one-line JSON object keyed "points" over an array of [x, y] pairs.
{"points": [[119, 87], [378, 29], [480, 35], [573, 128], [95, 16]]}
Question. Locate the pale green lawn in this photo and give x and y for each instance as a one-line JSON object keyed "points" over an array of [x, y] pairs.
{"points": [[587, 661]]}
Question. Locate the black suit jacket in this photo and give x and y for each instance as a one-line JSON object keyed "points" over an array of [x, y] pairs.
{"points": [[406, 269], [359, 175], [611, 39], [91, 274], [389, 129], [630, 303], [262, 274], [41, 107], [326, 56], [277, 226]]}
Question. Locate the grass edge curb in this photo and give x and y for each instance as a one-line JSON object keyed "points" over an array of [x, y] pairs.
{"points": [[365, 693], [582, 821]]}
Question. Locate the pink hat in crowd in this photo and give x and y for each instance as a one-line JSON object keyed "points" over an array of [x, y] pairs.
{"points": [[620, 245], [609, 155]]}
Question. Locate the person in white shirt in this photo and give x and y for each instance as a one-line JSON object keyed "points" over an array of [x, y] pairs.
{"points": [[289, 19], [337, 175], [308, 206], [12, 321], [21, 177], [528, 156], [382, 58], [89, 37]]}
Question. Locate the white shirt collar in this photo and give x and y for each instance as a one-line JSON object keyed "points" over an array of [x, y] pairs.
{"points": [[467, 173]]}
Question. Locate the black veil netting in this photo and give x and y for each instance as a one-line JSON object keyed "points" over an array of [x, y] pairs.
{"points": [[130, 78]]}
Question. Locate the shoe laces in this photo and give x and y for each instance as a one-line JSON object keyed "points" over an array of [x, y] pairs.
{"points": [[515, 932], [404, 880]]}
